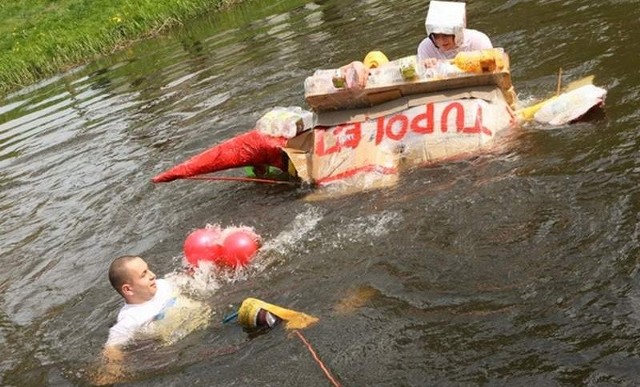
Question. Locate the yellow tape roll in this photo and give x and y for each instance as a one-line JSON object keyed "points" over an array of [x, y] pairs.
{"points": [[375, 59]]}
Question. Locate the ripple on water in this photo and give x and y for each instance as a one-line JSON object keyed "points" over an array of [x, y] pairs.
{"points": [[518, 267]]}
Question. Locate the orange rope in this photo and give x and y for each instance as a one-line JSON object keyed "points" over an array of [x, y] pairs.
{"points": [[317, 359]]}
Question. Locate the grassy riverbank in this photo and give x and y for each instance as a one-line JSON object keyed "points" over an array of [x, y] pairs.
{"points": [[39, 38]]}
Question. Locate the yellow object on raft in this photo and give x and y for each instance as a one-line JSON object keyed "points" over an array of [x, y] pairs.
{"points": [[530, 111], [375, 59], [251, 306], [482, 61]]}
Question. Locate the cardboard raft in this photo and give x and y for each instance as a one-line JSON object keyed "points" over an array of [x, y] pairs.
{"points": [[373, 144]]}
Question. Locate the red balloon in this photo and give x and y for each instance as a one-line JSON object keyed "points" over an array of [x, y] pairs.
{"points": [[203, 244], [239, 247]]}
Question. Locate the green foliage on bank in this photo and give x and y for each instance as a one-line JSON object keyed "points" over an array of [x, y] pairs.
{"points": [[39, 38]]}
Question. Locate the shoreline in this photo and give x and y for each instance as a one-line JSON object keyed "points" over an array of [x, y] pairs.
{"points": [[37, 42]]}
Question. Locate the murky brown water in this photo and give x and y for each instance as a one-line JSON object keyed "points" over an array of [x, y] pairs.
{"points": [[512, 269]]}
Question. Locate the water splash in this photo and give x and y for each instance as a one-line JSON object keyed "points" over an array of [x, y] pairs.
{"points": [[296, 231]]}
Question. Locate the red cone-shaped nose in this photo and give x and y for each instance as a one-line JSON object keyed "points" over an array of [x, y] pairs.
{"points": [[252, 148]]}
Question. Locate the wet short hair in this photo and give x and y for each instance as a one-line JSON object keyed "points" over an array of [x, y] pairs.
{"points": [[118, 274]]}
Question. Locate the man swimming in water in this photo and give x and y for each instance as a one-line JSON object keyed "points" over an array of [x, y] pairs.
{"points": [[152, 307], [146, 297], [156, 308]]}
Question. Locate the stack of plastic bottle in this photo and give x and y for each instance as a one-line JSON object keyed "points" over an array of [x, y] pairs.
{"points": [[407, 69], [286, 121]]}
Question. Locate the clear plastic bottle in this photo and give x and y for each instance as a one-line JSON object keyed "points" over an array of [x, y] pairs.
{"points": [[408, 68], [321, 82]]}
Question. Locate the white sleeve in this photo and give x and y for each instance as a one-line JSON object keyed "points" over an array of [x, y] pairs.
{"points": [[120, 333], [426, 49], [478, 40]]}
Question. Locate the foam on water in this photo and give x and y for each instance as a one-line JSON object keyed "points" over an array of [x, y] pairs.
{"points": [[365, 227], [290, 237]]}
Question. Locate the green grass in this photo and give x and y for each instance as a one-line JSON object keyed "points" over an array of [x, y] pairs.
{"points": [[39, 38]]}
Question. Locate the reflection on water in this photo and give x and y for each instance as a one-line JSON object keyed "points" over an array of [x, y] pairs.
{"points": [[515, 268]]}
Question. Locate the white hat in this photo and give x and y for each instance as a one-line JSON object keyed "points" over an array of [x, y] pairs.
{"points": [[447, 17]]}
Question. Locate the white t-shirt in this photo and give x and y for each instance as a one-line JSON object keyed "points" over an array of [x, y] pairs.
{"points": [[134, 316], [472, 40]]}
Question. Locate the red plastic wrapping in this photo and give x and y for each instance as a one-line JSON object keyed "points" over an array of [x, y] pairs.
{"points": [[248, 149]]}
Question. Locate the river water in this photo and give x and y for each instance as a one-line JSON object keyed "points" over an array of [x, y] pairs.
{"points": [[517, 268]]}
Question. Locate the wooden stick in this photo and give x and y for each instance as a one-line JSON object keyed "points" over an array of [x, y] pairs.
{"points": [[559, 81]]}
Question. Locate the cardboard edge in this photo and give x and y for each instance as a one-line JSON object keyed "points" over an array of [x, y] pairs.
{"points": [[333, 118]]}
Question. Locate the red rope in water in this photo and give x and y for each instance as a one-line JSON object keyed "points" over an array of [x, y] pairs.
{"points": [[317, 359], [244, 179]]}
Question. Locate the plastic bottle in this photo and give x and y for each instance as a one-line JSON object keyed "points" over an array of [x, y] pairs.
{"points": [[345, 78], [321, 82], [264, 319], [483, 61], [408, 68], [384, 75], [286, 121], [253, 314]]}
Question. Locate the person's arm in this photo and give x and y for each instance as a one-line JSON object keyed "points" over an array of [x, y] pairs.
{"points": [[478, 40], [427, 52], [111, 363], [112, 354], [356, 75], [111, 367]]}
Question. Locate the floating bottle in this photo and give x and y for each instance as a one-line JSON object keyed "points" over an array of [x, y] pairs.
{"points": [[264, 319], [254, 313]]}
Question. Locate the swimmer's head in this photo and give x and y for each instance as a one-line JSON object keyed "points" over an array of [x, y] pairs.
{"points": [[131, 277]]}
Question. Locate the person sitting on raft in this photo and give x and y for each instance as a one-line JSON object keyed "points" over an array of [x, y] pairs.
{"points": [[447, 34]]}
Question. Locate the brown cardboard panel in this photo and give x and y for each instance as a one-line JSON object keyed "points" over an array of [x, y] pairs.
{"points": [[302, 162], [368, 144], [303, 141]]}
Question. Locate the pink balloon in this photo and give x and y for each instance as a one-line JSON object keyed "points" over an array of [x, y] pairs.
{"points": [[239, 248], [203, 245]]}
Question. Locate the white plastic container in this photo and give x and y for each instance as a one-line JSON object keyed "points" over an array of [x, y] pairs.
{"points": [[286, 121]]}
